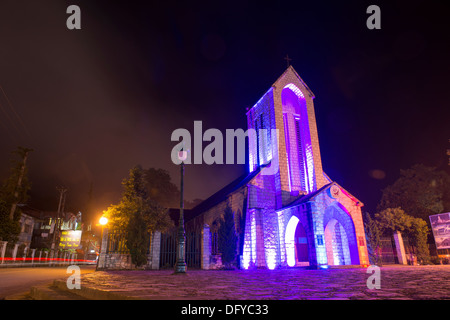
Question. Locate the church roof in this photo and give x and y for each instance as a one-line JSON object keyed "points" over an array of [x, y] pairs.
{"points": [[306, 197], [312, 195], [216, 198], [291, 69], [220, 195]]}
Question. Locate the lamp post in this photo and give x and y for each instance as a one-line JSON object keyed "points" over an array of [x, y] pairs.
{"points": [[103, 244], [180, 266]]}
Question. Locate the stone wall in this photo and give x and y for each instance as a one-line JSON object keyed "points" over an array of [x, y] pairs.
{"points": [[121, 261], [261, 239], [261, 116], [348, 204]]}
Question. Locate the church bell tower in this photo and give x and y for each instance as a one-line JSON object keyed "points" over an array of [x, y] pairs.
{"points": [[287, 107]]}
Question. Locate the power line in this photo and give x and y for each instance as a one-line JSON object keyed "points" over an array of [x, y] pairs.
{"points": [[13, 116]]}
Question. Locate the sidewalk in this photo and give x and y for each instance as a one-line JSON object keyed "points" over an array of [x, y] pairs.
{"points": [[397, 282]]}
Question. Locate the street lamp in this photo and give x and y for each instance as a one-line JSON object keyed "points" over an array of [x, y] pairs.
{"points": [[103, 221], [103, 244], [180, 266]]}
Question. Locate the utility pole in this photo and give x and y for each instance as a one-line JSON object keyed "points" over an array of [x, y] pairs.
{"points": [[24, 153], [61, 204]]}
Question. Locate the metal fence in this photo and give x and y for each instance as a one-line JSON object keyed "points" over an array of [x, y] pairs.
{"points": [[116, 242], [193, 249], [388, 251], [168, 250]]}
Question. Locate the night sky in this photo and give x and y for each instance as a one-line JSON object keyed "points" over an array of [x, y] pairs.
{"points": [[94, 102]]}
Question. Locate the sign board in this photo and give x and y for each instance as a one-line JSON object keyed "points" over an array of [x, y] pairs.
{"points": [[70, 239], [440, 224]]}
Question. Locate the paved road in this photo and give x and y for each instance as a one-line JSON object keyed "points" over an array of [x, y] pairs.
{"points": [[18, 280], [397, 282]]}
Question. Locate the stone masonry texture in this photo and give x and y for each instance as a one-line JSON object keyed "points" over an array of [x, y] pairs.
{"points": [[397, 282]]}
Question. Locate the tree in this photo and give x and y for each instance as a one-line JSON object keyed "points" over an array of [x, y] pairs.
{"points": [[163, 191], [14, 191], [227, 239], [418, 235], [373, 236], [138, 215], [189, 204], [393, 219], [137, 240], [416, 229], [9, 229], [420, 191]]}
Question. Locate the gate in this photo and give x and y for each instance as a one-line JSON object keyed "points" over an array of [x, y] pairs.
{"points": [[168, 251], [193, 249], [388, 251]]}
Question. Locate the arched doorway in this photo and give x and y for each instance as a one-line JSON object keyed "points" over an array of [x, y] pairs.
{"points": [[296, 240], [340, 237], [336, 244], [301, 246]]}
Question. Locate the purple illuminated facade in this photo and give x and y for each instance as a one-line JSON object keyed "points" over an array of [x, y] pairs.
{"points": [[288, 211], [296, 216]]}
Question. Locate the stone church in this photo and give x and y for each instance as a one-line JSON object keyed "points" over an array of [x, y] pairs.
{"points": [[288, 212]]}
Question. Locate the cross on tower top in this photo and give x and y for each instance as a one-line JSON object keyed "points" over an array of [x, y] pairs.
{"points": [[288, 60]]}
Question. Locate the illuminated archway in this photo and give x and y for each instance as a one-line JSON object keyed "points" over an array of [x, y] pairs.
{"points": [[290, 241], [336, 243], [297, 140], [340, 237], [296, 243]]}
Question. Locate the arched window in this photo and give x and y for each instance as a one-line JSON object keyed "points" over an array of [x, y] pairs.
{"points": [[298, 144]]}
